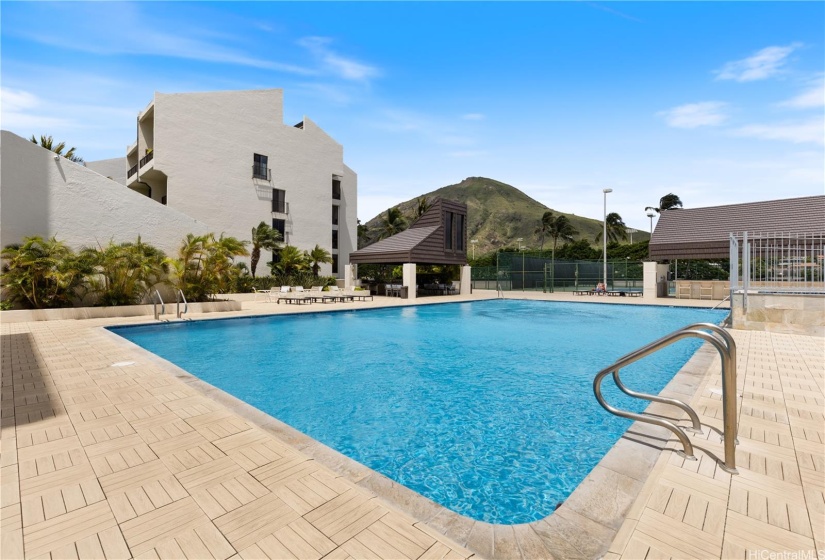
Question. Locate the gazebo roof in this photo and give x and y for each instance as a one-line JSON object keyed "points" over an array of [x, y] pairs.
{"points": [[423, 242], [704, 233]]}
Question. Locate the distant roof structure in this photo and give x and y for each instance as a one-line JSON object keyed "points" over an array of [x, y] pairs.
{"points": [[704, 233], [426, 240]]}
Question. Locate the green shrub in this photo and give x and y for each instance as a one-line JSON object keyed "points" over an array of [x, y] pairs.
{"points": [[124, 273], [43, 273]]}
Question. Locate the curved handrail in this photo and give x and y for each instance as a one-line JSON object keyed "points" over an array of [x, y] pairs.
{"points": [[155, 296], [724, 344], [178, 297]]}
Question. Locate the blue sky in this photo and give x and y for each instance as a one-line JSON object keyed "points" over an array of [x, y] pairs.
{"points": [[717, 102]]}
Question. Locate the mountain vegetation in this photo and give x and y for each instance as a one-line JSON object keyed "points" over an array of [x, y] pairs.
{"points": [[497, 215]]}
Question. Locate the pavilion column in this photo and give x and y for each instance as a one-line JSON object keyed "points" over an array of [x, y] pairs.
{"points": [[466, 282], [350, 272], [408, 270], [653, 274]]}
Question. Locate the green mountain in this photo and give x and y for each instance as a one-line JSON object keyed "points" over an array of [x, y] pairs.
{"points": [[498, 214]]}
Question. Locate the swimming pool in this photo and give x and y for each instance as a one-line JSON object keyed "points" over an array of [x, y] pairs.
{"points": [[485, 407]]}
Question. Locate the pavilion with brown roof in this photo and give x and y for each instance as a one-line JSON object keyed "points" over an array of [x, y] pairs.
{"points": [[439, 236], [704, 233]]}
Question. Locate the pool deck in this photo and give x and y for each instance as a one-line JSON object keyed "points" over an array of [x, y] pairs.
{"points": [[108, 451]]}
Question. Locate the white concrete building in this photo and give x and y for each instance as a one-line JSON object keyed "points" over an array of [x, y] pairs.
{"points": [[44, 195], [227, 159]]}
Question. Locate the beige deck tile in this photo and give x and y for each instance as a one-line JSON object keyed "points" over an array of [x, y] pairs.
{"points": [[146, 531], [68, 528], [248, 524]]}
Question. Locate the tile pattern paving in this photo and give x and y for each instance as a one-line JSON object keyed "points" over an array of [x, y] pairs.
{"points": [[100, 461]]}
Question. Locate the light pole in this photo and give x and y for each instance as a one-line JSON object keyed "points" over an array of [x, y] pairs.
{"points": [[604, 235], [520, 248], [473, 243], [631, 231], [650, 214]]}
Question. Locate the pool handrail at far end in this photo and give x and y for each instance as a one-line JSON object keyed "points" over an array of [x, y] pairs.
{"points": [[726, 346]]}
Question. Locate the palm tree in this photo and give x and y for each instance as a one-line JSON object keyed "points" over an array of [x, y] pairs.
{"points": [[124, 273], [544, 227], [290, 259], [317, 256], [48, 143], [393, 223], [668, 202], [561, 228], [206, 265], [42, 273], [616, 228], [421, 206], [263, 237], [363, 235]]}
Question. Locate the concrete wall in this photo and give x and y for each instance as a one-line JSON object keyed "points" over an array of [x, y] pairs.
{"points": [[114, 168], [204, 143], [41, 196], [799, 314]]}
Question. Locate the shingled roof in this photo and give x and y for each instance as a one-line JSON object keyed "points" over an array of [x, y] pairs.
{"points": [[704, 233], [423, 242]]}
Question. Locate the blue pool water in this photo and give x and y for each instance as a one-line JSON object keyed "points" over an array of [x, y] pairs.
{"points": [[486, 408]]}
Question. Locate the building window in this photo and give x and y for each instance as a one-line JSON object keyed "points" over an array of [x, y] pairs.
{"points": [[280, 227], [335, 215], [260, 167], [163, 200], [459, 232], [454, 225], [279, 201], [336, 189], [335, 264], [335, 239]]}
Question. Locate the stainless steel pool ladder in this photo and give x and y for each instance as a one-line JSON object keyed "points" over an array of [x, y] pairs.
{"points": [[178, 298], [156, 299], [725, 345]]}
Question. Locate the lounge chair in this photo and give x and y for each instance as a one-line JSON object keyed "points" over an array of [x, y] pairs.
{"points": [[339, 294]]}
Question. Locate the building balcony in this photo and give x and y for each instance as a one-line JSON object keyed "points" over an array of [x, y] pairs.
{"points": [[146, 159], [132, 170]]}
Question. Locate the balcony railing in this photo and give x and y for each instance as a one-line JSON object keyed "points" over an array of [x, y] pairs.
{"points": [[147, 158], [132, 171], [261, 172]]}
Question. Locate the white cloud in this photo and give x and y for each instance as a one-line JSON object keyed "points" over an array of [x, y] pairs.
{"points": [[693, 115], [20, 112], [763, 64], [473, 117], [810, 131], [812, 97], [343, 67]]}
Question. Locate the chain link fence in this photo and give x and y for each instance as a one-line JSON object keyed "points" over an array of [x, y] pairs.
{"points": [[525, 271]]}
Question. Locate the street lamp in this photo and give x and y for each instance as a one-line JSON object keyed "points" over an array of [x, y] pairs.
{"points": [[604, 235], [631, 231], [473, 243], [520, 248], [650, 214]]}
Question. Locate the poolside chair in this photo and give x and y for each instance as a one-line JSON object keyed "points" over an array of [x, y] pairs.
{"points": [[455, 288], [282, 294]]}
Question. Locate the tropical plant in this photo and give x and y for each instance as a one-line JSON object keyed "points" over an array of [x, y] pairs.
{"points": [[317, 256], [668, 202], [206, 265], [616, 228], [544, 227], [421, 206], [391, 224], [42, 273], [48, 143], [561, 228], [122, 274], [363, 235], [290, 260], [263, 237]]}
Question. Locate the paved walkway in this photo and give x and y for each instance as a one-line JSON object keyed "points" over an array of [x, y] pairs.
{"points": [[104, 453]]}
